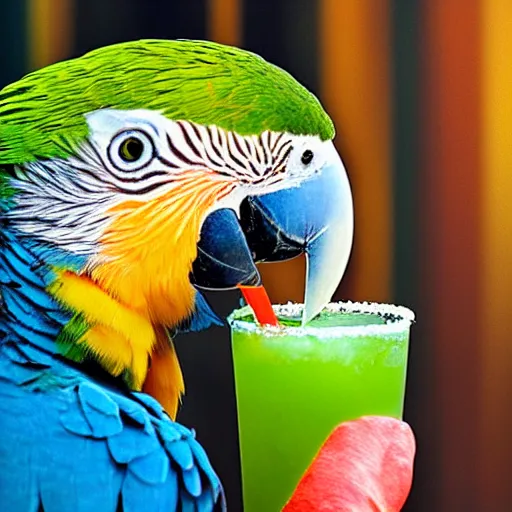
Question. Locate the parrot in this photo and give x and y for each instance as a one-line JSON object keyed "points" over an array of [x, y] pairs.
{"points": [[132, 179]]}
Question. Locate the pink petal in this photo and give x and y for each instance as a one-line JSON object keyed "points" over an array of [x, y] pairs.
{"points": [[365, 465]]}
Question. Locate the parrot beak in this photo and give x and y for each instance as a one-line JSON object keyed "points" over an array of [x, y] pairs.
{"points": [[224, 259], [315, 218]]}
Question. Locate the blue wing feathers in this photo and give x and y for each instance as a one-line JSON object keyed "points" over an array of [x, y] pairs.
{"points": [[169, 433], [138, 496], [16, 366], [13, 463], [152, 468], [134, 411], [40, 339], [74, 421], [33, 355], [91, 397], [188, 504], [192, 481], [131, 443], [202, 460], [80, 481], [206, 501], [101, 412], [151, 404], [15, 353], [84, 448], [181, 453]]}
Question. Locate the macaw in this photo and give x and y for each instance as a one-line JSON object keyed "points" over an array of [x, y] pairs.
{"points": [[131, 178]]}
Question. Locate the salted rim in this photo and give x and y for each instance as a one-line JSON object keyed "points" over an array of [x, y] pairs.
{"points": [[398, 320]]}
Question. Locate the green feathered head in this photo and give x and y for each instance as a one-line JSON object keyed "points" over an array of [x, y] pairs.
{"points": [[42, 115]]}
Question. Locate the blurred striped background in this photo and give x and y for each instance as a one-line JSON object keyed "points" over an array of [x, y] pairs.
{"points": [[421, 94]]}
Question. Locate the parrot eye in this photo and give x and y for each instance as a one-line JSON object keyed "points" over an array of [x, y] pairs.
{"points": [[307, 157], [131, 150]]}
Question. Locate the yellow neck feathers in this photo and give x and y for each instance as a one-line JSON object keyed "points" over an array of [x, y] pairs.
{"points": [[139, 284]]}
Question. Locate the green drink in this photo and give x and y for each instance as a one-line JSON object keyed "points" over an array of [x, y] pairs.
{"points": [[295, 384]]}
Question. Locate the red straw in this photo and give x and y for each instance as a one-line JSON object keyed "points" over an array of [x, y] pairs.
{"points": [[257, 298]]}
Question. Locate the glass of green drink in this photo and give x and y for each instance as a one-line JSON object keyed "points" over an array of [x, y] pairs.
{"points": [[295, 384]]}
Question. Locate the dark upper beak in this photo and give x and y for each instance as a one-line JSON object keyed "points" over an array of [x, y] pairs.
{"points": [[223, 256], [315, 218]]}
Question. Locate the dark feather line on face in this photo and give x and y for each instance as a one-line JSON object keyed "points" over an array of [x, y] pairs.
{"points": [[255, 170], [92, 153], [99, 158], [80, 185], [188, 140], [196, 130], [248, 147], [259, 180], [276, 142], [237, 161], [20, 218], [30, 220], [231, 168], [144, 177], [262, 146], [213, 160], [63, 209], [281, 164], [164, 161], [57, 186], [239, 147], [266, 150], [180, 155], [214, 146], [51, 223], [146, 189], [283, 152]]}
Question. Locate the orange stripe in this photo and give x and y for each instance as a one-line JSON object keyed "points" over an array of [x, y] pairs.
{"points": [[225, 21], [355, 89], [50, 31], [450, 238], [496, 350]]}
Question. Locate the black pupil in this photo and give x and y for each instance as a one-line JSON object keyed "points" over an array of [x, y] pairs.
{"points": [[131, 150], [307, 156]]}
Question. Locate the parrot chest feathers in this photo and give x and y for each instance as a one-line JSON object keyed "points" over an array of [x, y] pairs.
{"points": [[122, 337], [83, 447]]}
